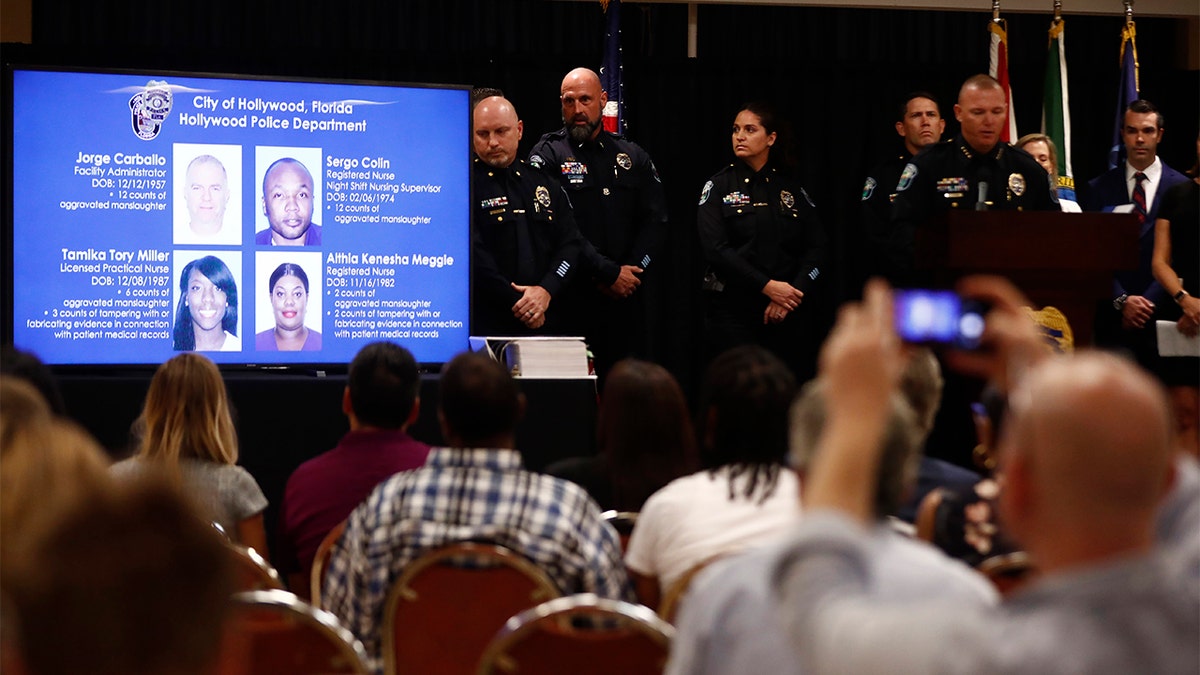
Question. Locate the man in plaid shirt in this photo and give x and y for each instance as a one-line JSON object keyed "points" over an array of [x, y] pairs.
{"points": [[473, 490]]}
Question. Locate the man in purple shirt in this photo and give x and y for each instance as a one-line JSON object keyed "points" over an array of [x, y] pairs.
{"points": [[381, 400]]}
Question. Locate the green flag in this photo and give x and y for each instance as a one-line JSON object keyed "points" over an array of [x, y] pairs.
{"points": [[1056, 114]]}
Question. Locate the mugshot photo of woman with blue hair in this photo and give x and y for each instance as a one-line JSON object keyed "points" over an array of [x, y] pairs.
{"points": [[206, 318]]}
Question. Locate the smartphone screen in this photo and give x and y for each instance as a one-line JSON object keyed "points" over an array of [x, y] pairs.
{"points": [[938, 317]]}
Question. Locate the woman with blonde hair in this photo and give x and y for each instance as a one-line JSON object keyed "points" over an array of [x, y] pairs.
{"points": [[47, 464], [1041, 148], [188, 432]]}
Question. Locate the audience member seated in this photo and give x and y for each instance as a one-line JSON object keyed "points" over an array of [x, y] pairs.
{"points": [[380, 401], [47, 464], [1087, 462], [473, 490], [744, 496], [189, 434], [728, 626], [643, 436], [27, 366], [130, 582], [922, 386], [962, 520]]}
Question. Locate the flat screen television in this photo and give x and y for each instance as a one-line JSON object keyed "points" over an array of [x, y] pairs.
{"points": [[265, 222]]}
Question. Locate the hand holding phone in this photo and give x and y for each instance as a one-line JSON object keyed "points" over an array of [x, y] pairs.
{"points": [[939, 317]]}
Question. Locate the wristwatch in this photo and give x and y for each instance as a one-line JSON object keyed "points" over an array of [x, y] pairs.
{"points": [[1178, 297], [1119, 301]]}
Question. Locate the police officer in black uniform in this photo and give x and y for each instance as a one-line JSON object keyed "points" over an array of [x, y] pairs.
{"points": [[765, 247], [524, 243], [920, 124], [950, 175], [621, 211]]}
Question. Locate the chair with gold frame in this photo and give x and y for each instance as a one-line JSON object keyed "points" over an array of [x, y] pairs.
{"points": [[447, 604], [276, 632], [581, 634]]}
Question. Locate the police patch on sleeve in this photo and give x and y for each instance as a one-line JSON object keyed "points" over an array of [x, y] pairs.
{"points": [[543, 196], [868, 188], [654, 172], [536, 161], [705, 192], [906, 178]]}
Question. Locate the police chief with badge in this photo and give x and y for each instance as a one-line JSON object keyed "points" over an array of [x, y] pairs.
{"points": [[973, 170]]}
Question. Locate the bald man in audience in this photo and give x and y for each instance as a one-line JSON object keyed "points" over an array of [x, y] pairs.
{"points": [[1087, 460]]}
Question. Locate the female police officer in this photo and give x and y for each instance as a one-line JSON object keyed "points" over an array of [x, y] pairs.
{"points": [[765, 247]]}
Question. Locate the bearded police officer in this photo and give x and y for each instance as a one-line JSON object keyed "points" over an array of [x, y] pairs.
{"points": [[622, 215], [974, 169], [524, 242]]}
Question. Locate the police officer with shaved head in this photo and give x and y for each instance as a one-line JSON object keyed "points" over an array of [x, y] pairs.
{"points": [[524, 242], [622, 214], [975, 169]]}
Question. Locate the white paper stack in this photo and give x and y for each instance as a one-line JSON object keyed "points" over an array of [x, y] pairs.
{"points": [[538, 357], [547, 357]]}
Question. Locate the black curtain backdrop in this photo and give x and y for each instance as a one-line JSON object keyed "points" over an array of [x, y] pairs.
{"points": [[836, 74]]}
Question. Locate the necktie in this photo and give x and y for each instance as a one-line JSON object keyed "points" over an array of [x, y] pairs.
{"points": [[1139, 197]]}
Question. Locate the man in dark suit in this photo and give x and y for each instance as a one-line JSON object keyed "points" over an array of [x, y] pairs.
{"points": [[1134, 187]]}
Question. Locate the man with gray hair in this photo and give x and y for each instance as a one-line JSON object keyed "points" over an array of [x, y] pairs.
{"points": [[728, 623]]}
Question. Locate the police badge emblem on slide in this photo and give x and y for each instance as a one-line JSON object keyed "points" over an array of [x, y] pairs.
{"points": [[150, 108]]}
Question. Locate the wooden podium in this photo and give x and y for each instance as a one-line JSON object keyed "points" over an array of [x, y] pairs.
{"points": [[1062, 259]]}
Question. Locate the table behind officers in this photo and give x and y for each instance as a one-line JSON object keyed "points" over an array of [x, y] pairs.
{"points": [[621, 211], [765, 246]]}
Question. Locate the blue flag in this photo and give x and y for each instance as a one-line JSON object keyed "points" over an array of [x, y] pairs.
{"points": [[611, 69], [1127, 92]]}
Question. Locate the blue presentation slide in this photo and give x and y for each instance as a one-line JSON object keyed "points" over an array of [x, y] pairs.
{"points": [[258, 221]]}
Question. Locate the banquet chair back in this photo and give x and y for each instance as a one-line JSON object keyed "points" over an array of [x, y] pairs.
{"points": [[447, 604], [251, 571], [273, 631], [321, 562], [581, 634]]}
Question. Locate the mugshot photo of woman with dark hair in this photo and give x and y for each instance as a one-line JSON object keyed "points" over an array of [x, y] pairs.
{"points": [[288, 289], [206, 318]]}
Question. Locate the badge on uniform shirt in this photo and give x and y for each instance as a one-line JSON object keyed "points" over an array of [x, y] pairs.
{"points": [[574, 171], [868, 188], [906, 178], [536, 161], [623, 161], [493, 203], [705, 192], [1016, 183], [543, 196], [736, 199], [787, 199]]}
